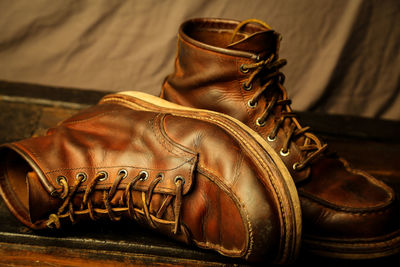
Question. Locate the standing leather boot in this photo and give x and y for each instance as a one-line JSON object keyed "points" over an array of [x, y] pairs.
{"points": [[197, 177], [234, 68]]}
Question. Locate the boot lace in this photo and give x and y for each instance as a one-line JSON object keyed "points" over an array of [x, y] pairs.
{"points": [[66, 210], [267, 71]]}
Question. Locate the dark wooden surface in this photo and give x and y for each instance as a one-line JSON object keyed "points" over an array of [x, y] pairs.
{"points": [[27, 110]]}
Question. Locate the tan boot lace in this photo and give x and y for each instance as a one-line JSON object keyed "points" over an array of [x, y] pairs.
{"points": [[67, 194], [269, 74]]}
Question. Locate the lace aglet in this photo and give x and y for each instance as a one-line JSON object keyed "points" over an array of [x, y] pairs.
{"points": [[175, 230], [53, 221]]}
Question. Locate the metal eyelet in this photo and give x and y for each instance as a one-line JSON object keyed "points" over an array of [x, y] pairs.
{"points": [[161, 175], [105, 174], [81, 174], [247, 87], [295, 166], [143, 176], [283, 153], [251, 104], [124, 172], [259, 123], [271, 139], [59, 178], [61, 181], [244, 69], [177, 178], [55, 193]]}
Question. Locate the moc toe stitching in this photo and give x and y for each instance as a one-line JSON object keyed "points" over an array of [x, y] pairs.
{"points": [[246, 221]]}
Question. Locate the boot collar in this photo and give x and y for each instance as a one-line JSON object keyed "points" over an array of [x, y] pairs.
{"points": [[254, 41]]}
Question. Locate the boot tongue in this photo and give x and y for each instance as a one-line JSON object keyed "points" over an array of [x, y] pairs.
{"points": [[263, 42], [41, 204]]}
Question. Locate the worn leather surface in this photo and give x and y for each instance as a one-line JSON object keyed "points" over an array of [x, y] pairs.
{"points": [[338, 203], [225, 205], [210, 77]]}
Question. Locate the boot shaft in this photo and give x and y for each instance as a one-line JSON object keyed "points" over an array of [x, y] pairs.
{"points": [[207, 68], [233, 68]]}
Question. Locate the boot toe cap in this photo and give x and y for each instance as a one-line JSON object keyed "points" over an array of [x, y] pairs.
{"points": [[348, 213]]}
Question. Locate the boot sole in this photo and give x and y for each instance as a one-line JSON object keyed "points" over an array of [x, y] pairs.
{"points": [[354, 249], [289, 195]]}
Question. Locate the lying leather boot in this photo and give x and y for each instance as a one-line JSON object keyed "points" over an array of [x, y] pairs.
{"points": [[194, 176], [234, 68]]}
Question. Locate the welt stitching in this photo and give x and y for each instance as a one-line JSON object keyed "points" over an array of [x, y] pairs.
{"points": [[168, 142], [371, 179], [311, 240], [111, 167], [169, 146], [348, 210], [161, 140]]}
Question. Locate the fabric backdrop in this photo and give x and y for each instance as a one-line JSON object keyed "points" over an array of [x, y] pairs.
{"points": [[343, 55]]}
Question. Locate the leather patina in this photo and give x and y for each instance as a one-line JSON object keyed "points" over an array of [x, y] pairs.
{"points": [[234, 68], [190, 179]]}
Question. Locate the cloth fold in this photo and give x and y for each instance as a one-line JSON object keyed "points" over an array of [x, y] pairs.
{"points": [[343, 56]]}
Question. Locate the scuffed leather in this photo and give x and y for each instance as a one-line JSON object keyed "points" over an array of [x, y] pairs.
{"points": [[338, 202], [210, 77], [225, 207], [345, 203]]}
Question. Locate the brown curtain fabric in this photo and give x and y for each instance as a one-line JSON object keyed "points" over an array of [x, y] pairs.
{"points": [[343, 56]]}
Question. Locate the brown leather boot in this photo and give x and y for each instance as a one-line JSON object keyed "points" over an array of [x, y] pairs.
{"points": [[234, 68], [195, 176]]}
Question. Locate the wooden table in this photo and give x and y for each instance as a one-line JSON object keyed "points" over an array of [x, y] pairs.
{"points": [[27, 110]]}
